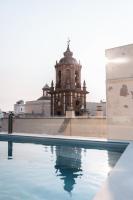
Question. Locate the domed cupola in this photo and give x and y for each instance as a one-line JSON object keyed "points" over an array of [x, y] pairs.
{"points": [[68, 59]]}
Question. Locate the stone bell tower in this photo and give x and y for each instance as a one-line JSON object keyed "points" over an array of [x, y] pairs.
{"points": [[68, 95]]}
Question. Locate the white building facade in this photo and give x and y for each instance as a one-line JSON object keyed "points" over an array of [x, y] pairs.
{"points": [[19, 107], [119, 89], [40, 107]]}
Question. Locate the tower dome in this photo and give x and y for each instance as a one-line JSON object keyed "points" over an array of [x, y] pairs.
{"points": [[68, 59]]}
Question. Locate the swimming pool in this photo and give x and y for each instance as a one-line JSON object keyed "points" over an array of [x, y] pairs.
{"points": [[53, 170]]}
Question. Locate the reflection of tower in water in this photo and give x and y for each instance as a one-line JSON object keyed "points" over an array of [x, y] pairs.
{"points": [[68, 165]]}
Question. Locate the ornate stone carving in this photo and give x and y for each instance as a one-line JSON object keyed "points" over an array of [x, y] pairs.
{"points": [[124, 91]]}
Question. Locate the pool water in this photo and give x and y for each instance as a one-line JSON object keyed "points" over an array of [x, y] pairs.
{"points": [[31, 171]]}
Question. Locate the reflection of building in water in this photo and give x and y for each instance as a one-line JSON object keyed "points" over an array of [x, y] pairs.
{"points": [[68, 165], [10, 149]]}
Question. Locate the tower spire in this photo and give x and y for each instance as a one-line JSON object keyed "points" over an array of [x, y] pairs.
{"points": [[68, 53], [68, 43]]}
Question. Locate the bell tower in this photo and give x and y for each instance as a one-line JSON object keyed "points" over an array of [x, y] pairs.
{"points": [[67, 94]]}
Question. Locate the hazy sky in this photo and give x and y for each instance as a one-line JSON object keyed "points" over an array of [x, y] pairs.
{"points": [[33, 35]]}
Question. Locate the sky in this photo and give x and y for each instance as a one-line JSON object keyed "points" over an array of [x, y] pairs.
{"points": [[34, 34]]}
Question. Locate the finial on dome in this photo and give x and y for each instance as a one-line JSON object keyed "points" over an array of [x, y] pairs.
{"points": [[68, 53], [68, 43]]}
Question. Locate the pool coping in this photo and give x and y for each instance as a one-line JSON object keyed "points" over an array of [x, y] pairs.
{"points": [[57, 139], [119, 183], [40, 135]]}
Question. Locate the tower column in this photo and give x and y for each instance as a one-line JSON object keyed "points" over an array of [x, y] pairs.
{"points": [[84, 91], [84, 101], [71, 101], [52, 98], [52, 105], [64, 103]]}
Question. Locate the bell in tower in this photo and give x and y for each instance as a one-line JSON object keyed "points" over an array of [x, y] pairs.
{"points": [[68, 94]]}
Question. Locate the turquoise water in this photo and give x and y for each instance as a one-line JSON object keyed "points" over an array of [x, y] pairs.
{"points": [[40, 172]]}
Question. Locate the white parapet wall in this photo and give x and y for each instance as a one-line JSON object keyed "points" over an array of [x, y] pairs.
{"points": [[89, 127], [119, 90]]}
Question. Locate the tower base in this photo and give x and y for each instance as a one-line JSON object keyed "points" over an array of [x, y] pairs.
{"points": [[70, 113]]}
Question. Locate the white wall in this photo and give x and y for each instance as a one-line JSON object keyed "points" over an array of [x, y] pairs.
{"points": [[119, 89], [19, 108], [90, 127], [38, 107]]}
